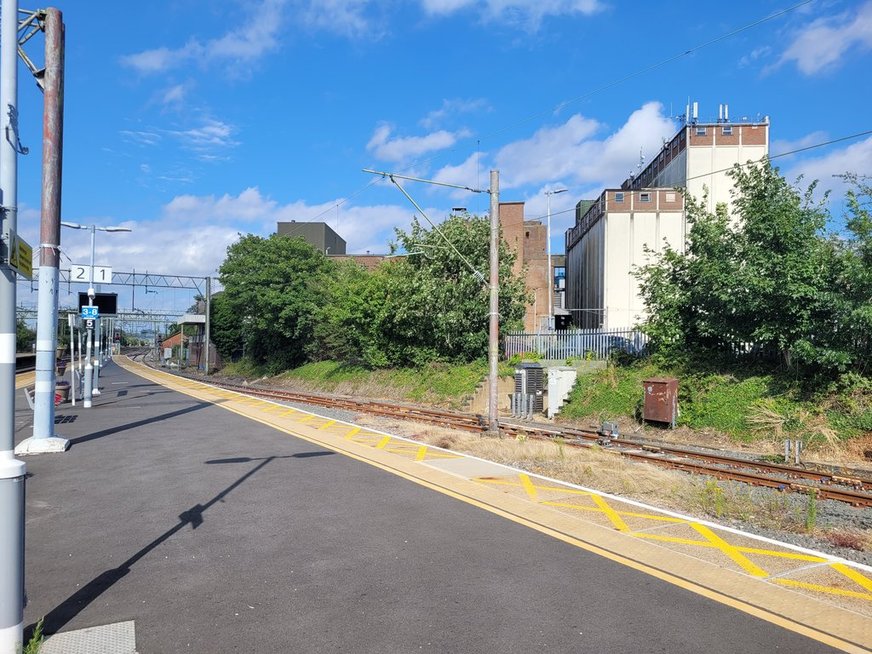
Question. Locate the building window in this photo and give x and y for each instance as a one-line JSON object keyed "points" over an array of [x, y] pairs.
{"points": [[670, 197], [619, 197], [644, 197], [728, 130], [700, 131]]}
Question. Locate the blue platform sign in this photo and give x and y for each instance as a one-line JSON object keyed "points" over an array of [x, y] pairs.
{"points": [[89, 313]]}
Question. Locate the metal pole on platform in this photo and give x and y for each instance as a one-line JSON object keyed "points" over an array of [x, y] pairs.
{"points": [[89, 332], [207, 335], [494, 323], [73, 384], [98, 342], [11, 469], [44, 439]]}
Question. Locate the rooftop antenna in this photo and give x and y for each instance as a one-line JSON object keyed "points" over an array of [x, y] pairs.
{"points": [[720, 113], [695, 111], [641, 159]]}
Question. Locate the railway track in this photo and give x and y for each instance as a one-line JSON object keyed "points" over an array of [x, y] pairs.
{"points": [[832, 484]]}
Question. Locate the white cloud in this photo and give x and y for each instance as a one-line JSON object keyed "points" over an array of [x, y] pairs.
{"points": [[174, 95], [246, 207], [526, 12], [854, 158], [210, 135], [822, 44], [756, 54], [345, 17], [401, 148], [472, 173], [550, 153], [451, 108], [236, 49], [780, 146], [569, 152], [141, 137], [208, 140]]}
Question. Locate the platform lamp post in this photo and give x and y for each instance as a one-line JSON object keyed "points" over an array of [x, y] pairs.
{"points": [[90, 380], [548, 195]]}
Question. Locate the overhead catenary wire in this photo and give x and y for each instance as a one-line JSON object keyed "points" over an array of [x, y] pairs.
{"points": [[475, 272]]}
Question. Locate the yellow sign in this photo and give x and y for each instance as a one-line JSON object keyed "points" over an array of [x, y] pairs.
{"points": [[21, 257]]}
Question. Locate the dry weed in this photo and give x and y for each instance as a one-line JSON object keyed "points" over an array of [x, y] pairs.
{"points": [[852, 539], [764, 418]]}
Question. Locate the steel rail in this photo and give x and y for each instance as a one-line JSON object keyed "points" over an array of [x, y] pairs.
{"points": [[639, 451]]}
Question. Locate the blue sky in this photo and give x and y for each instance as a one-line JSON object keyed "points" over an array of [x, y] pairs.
{"points": [[191, 121]]}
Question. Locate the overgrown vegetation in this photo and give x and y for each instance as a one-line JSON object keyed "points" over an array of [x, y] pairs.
{"points": [[746, 402], [286, 304], [767, 281], [764, 317]]}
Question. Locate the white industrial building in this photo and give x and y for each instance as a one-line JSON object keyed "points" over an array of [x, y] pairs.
{"points": [[611, 234]]}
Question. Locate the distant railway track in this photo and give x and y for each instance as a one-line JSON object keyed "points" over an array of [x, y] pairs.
{"points": [[833, 484], [25, 363]]}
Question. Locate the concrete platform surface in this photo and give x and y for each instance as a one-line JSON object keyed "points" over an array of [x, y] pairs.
{"points": [[217, 527]]}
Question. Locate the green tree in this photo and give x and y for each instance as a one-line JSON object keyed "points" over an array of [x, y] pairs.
{"points": [[763, 276], [225, 328], [273, 287], [425, 306], [25, 337], [850, 328], [441, 290]]}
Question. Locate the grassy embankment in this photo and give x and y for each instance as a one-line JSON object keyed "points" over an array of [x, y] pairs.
{"points": [[746, 405], [438, 383]]}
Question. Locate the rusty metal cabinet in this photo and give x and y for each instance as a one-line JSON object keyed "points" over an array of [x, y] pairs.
{"points": [[661, 400]]}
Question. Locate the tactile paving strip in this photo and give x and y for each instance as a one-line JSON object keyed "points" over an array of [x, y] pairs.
{"points": [[117, 638]]}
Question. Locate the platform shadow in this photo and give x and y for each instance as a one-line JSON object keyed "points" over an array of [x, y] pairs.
{"points": [[138, 423], [67, 610]]}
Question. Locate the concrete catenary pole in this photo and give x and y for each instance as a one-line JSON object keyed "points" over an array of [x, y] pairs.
{"points": [[11, 469], [44, 439], [494, 325]]}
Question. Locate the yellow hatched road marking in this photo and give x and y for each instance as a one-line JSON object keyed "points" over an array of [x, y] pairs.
{"points": [[823, 589], [383, 443], [508, 482], [529, 487], [853, 575], [617, 520], [289, 412], [327, 424], [307, 418], [629, 514], [352, 432], [273, 407], [730, 551], [422, 452]]}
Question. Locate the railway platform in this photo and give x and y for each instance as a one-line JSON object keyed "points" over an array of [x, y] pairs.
{"points": [[186, 517]]}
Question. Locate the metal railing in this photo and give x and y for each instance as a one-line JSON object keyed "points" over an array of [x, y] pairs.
{"points": [[576, 343]]}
